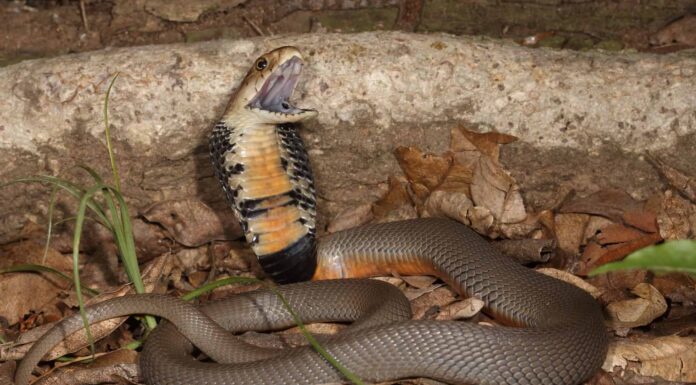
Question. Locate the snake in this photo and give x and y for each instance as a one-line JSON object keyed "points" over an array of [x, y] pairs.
{"points": [[551, 332]]}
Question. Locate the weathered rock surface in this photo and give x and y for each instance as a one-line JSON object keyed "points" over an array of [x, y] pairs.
{"points": [[583, 119]]}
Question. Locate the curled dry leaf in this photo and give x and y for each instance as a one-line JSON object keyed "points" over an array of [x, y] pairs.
{"points": [[482, 221], [609, 203], [593, 252], [419, 281], [454, 205], [428, 304], [640, 311], [672, 358], [616, 252], [487, 143], [394, 200], [493, 188], [350, 218], [617, 233], [458, 179], [411, 293], [527, 250], [571, 279], [464, 309], [677, 217], [570, 231], [427, 170], [531, 223], [192, 223], [595, 225]]}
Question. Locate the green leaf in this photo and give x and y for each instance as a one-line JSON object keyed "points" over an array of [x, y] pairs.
{"points": [[671, 256]]}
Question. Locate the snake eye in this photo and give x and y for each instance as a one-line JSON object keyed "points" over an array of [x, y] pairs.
{"points": [[261, 64]]}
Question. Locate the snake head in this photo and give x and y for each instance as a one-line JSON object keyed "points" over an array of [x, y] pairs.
{"points": [[266, 89]]}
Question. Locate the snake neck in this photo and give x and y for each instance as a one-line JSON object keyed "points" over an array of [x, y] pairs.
{"points": [[265, 173]]}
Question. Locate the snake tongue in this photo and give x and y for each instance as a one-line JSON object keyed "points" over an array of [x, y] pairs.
{"points": [[276, 91]]}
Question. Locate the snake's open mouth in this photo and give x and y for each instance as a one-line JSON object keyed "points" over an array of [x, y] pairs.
{"points": [[275, 93]]}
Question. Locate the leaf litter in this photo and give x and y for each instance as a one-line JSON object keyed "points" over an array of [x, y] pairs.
{"points": [[185, 244]]}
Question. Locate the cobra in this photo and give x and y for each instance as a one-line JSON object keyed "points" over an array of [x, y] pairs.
{"points": [[555, 332]]}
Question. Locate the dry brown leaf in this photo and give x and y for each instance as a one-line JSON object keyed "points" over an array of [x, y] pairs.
{"points": [[428, 304], [23, 292], [98, 372], [493, 188], [487, 143], [152, 273], [527, 250], [609, 203], [617, 233], [350, 218], [192, 223], [570, 231], [396, 281], [419, 281], [464, 309], [594, 226], [645, 220], [151, 240], [482, 221], [412, 293], [239, 257], [684, 325], [458, 179], [571, 279], [454, 205], [640, 311], [678, 287], [530, 224], [394, 200], [191, 260], [592, 253], [619, 251], [672, 358], [421, 168], [677, 217], [7, 370]]}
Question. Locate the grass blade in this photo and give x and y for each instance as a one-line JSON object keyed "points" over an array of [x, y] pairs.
{"points": [[28, 267], [107, 132]]}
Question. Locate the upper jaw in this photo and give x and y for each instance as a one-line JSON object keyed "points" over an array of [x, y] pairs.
{"points": [[273, 99]]}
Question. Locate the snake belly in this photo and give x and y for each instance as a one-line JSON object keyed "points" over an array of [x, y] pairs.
{"points": [[556, 334]]}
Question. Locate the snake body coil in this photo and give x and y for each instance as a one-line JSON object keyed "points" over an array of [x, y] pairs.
{"points": [[561, 340]]}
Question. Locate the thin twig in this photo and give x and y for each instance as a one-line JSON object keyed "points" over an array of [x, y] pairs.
{"points": [[253, 25], [83, 14]]}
